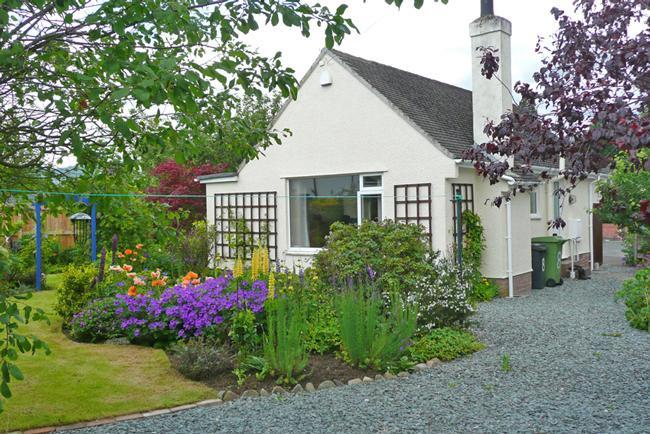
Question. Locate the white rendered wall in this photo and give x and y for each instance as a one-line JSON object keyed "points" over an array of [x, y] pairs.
{"points": [[342, 129], [495, 263], [490, 98]]}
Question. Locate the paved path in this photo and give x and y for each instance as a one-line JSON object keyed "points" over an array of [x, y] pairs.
{"points": [[576, 366]]}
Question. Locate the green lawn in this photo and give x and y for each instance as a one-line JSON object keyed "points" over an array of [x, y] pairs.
{"points": [[79, 382], [53, 281]]}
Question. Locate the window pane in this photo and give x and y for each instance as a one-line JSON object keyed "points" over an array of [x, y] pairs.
{"points": [[371, 207], [372, 180], [533, 202], [316, 203], [556, 200]]}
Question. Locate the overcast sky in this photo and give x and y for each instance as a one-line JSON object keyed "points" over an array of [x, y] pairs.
{"points": [[433, 41]]}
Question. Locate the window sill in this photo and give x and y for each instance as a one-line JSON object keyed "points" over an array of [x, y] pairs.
{"points": [[535, 217], [303, 251]]}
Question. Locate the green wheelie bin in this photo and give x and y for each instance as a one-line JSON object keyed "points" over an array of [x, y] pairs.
{"points": [[553, 258]]}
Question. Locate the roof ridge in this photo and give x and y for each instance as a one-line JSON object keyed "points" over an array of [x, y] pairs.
{"points": [[339, 52]]}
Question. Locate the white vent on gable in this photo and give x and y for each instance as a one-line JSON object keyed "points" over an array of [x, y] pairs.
{"points": [[325, 76]]}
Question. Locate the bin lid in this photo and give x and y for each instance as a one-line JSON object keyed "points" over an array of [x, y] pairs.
{"points": [[549, 240], [538, 247]]}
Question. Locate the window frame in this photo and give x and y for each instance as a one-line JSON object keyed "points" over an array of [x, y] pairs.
{"points": [[534, 215], [363, 191], [370, 191], [557, 206]]}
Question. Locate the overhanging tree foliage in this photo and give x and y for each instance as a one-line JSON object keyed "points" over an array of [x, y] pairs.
{"points": [[84, 78], [589, 100]]}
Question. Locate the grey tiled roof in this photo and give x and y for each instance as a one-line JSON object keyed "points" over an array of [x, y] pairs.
{"points": [[442, 111]]}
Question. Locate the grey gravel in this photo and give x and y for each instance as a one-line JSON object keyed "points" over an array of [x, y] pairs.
{"points": [[567, 375]]}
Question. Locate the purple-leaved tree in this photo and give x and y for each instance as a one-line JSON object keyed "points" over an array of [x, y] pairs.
{"points": [[589, 100]]}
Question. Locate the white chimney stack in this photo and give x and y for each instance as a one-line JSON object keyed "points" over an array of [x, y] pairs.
{"points": [[490, 98]]}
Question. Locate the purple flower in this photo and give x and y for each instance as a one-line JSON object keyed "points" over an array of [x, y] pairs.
{"points": [[120, 284], [187, 311], [371, 273]]}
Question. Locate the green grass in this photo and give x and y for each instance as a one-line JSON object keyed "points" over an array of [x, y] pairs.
{"points": [[53, 281], [80, 382]]}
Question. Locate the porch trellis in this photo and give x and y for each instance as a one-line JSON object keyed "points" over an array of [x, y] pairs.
{"points": [[467, 202], [242, 221], [413, 205]]}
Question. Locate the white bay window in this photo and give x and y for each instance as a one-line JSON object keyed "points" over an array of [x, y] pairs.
{"points": [[315, 203]]}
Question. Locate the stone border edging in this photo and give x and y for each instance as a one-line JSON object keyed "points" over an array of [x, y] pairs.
{"points": [[228, 396]]}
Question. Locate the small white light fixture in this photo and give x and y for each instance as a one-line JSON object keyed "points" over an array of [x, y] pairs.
{"points": [[325, 76]]}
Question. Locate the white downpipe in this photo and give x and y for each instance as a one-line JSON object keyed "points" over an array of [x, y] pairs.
{"points": [[591, 228], [572, 248], [591, 223], [511, 287]]}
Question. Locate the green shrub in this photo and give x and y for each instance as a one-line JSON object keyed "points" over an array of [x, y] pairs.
{"points": [[284, 346], [96, 322], [482, 289], [369, 337], [442, 296], [473, 240], [636, 293], [244, 333], [75, 291], [201, 358], [396, 252], [79, 254], [642, 242], [444, 344], [322, 334], [20, 267]]}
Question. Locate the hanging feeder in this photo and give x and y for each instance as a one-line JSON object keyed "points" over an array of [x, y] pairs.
{"points": [[80, 227]]}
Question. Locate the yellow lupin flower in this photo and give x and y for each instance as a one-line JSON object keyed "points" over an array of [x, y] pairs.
{"points": [[255, 269], [271, 295], [265, 261], [238, 269]]}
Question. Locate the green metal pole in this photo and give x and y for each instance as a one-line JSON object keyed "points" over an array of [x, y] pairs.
{"points": [[458, 198]]}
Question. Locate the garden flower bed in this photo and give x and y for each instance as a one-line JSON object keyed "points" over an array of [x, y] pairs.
{"points": [[261, 324], [261, 327]]}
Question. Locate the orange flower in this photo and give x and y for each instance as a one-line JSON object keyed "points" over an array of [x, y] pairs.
{"points": [[132, 291], [131, 275], [127, 267], [128, 252], [138, 246], [119, 255], [158, 282], [135, 253], [191, 275], [196, 281]]}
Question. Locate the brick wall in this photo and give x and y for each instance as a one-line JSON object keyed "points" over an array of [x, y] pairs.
{"points": [[584, 261], [610, 232], [522, 284]]}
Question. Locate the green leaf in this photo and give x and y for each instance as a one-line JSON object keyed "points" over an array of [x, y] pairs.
{"points": [[120, 93], [342, 8], [141, 95], [15, 372], [4, 390]]}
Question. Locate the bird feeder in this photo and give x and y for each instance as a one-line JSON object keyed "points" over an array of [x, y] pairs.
{"points": [[80, 227]]}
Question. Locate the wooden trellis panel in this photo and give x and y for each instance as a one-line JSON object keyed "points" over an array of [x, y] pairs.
{"points": [[467, 191], [242, 221], [413, 205]]}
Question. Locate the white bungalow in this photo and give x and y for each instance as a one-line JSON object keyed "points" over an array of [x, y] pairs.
{"points": [[370, 141]]}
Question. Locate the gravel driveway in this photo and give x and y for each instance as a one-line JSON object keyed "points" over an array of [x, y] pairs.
{"points": [[576, 366]]}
